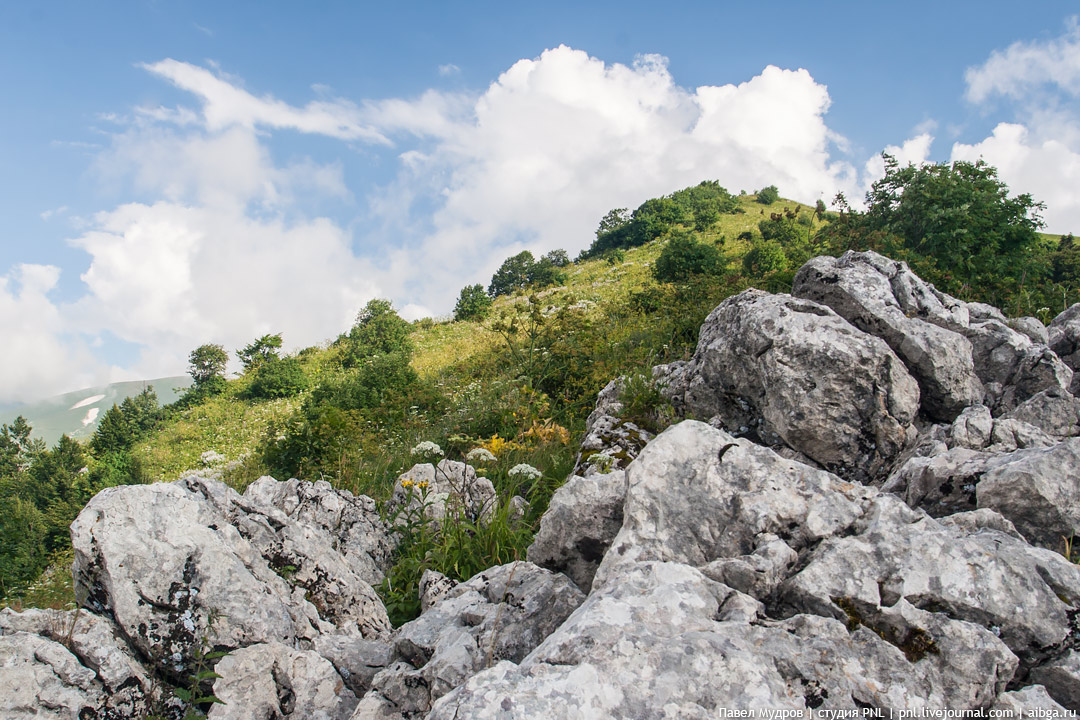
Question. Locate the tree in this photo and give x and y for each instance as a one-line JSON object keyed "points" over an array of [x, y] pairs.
{"points": [[277, 377], [473, 303], [961, 220], [514, 274], [683, 257], [259, 351], [206, 365], [378, 330], [768, 195]]}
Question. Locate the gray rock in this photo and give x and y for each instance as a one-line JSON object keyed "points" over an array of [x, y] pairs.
{"points": [[972, 428], [792, 371], [611, 442], [1039, 491], [1027, 702], [1061, 677], [1056, 412], [352, 522], [62, 664], [1011, 434], [1038, 369], [178, 563], [1064, 334], [657, 641], [499, 614], [272, 680], [356, 660], [433, 587], [692, 498], [1032, 327], [860, 288], [944, 483], [896, 555], [582, 519]]}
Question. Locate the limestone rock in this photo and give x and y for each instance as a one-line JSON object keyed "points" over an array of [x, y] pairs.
{"points": [[696, 494], [356, 660], [1064, 334], [1039, 491], [1056, 412], [1061, 677], [1032, 327], [862, 288], [352, 522], [582, 519], [658, 641], [611, 442], [502, 613], [791, 371], [1027, 702], [430, 489], [972, 429], [59, 664], [271, 680], [177, 563], [433, 586]]}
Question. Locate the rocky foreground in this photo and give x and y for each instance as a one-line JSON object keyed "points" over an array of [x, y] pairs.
{"points": [[868, 510]]}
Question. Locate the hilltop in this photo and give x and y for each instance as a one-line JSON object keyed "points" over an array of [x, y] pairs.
{"points": [[516, 374]]}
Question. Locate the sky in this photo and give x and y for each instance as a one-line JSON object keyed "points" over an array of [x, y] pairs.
{"points": [[181, 173]]}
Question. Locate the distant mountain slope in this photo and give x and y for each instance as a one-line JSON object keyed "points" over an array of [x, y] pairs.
{"points": [[78, 413]]}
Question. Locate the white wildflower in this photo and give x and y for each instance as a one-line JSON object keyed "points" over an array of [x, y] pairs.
{"points": [[479, 456], [426, 449], [525, 472]]}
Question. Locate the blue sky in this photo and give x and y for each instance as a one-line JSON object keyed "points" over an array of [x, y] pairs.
{"points": [[188, 172]]}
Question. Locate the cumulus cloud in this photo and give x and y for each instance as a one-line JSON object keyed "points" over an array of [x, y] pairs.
{"points": [[913, 151], [40, 358], [1024, 67], [221, 247], [558, 140], [1039, 151]]}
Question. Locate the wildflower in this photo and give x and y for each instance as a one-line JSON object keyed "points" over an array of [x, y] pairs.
{"points": [[525, 472], [427, 448], [480, 456], [422, 484], [406, 483]]}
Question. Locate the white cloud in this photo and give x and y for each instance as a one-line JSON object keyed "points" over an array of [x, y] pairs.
{"points": [[1024, 67], [1049, 170], [1039, 152], [39, 359], [449, 69], [224, 105], [224, 251], [557, 141], [171, 277]]}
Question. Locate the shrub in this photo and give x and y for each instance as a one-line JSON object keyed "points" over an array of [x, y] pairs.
{"points": [[277, 378], [265, 348], [473, 303], [768, 195], [378, 330], [684, 257], [767, 256], [513, 274]]}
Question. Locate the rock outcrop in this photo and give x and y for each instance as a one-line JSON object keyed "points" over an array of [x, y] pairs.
{"points": [[871, 519], [792, 372]]}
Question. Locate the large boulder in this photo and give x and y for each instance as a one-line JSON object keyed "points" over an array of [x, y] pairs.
{"points": [[737, 571], [180, 564], [885, 299], [792, 372], [583, 517], [611, 441], [67, 664], [271, 680], [663, 640], [1064, 336], [498, 615]]}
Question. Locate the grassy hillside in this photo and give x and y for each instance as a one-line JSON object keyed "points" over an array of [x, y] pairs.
{"points": [[517, 381]]}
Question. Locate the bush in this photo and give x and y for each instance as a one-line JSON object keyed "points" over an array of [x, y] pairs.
{"points": [[276, 378], [768, 195], [473, 303], [767, 256], [684, 257], [378, 330], [513, 274]]}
